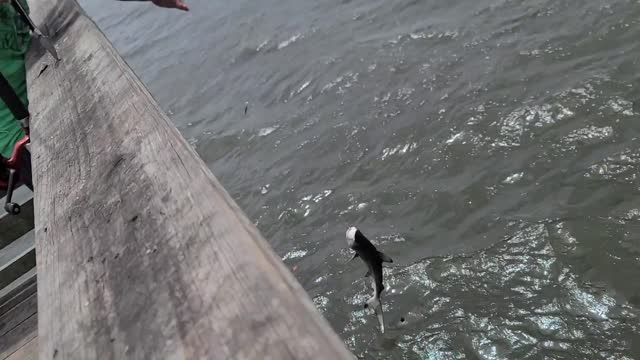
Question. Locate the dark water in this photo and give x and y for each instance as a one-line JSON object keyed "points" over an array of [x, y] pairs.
{"points": [[490, 147]]}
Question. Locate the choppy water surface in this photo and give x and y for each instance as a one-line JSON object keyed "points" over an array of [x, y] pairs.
{"points": [[490, 147]]}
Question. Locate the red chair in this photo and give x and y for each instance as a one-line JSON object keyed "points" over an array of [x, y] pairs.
{"points": [[15, 164]]}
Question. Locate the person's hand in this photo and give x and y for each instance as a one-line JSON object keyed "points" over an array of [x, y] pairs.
{"points": [[172, 4]]}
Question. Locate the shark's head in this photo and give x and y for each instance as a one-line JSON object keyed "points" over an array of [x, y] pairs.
{"points": [[351, 236]]}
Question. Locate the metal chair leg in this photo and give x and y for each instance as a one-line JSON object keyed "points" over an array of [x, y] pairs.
{"points": [[9, 206]]}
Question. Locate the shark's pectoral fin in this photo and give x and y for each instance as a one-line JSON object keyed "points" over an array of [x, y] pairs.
{"points": [[384, 257]]}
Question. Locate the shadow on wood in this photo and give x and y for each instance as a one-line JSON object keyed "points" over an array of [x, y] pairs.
{"points": [[141, 253], [18, 326], [28, 351]]}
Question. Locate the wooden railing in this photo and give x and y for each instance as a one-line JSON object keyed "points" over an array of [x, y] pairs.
{"points": [[141, 253]]}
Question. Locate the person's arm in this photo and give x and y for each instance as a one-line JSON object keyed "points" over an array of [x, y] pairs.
{"points": [[171, 4]]}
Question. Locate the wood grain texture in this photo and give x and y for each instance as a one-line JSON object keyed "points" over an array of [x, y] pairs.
{"points": [[17, 291], [18, 314], [141, 252], [18, 337], [18, 326]]}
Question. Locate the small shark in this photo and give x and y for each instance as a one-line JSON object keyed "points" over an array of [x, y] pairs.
{"points": [[373, 259]]}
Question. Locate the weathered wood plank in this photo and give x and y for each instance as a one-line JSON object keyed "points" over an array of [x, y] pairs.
{"points": [[17, 258], [16, 249], [18, 314], [17, 291], [29, 351], [18, 326], [141, 252], [18, 337]]}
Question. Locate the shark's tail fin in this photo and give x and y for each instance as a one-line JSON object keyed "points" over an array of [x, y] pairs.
{"points": [[380, 317], [384, 257], [376, 305]]}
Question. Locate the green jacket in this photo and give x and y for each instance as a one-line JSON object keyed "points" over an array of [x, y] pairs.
{"points": [[15, 39]]}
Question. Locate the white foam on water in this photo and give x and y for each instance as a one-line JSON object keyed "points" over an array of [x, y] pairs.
{"points": [[512, 179], [392, 238], [307, 210], [343, 82], [399, 150], [301, 89], [621, 106], [405, 93], [304, 86], [322, 195], [295, 254], [332, 84], [584, 94], [587, 135], [308, 201], [289, 41], [266, 131], [321, 303], [454, 138], [632, 214], [523, 119], [262, 45], [594, 306], [622, 166]]}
